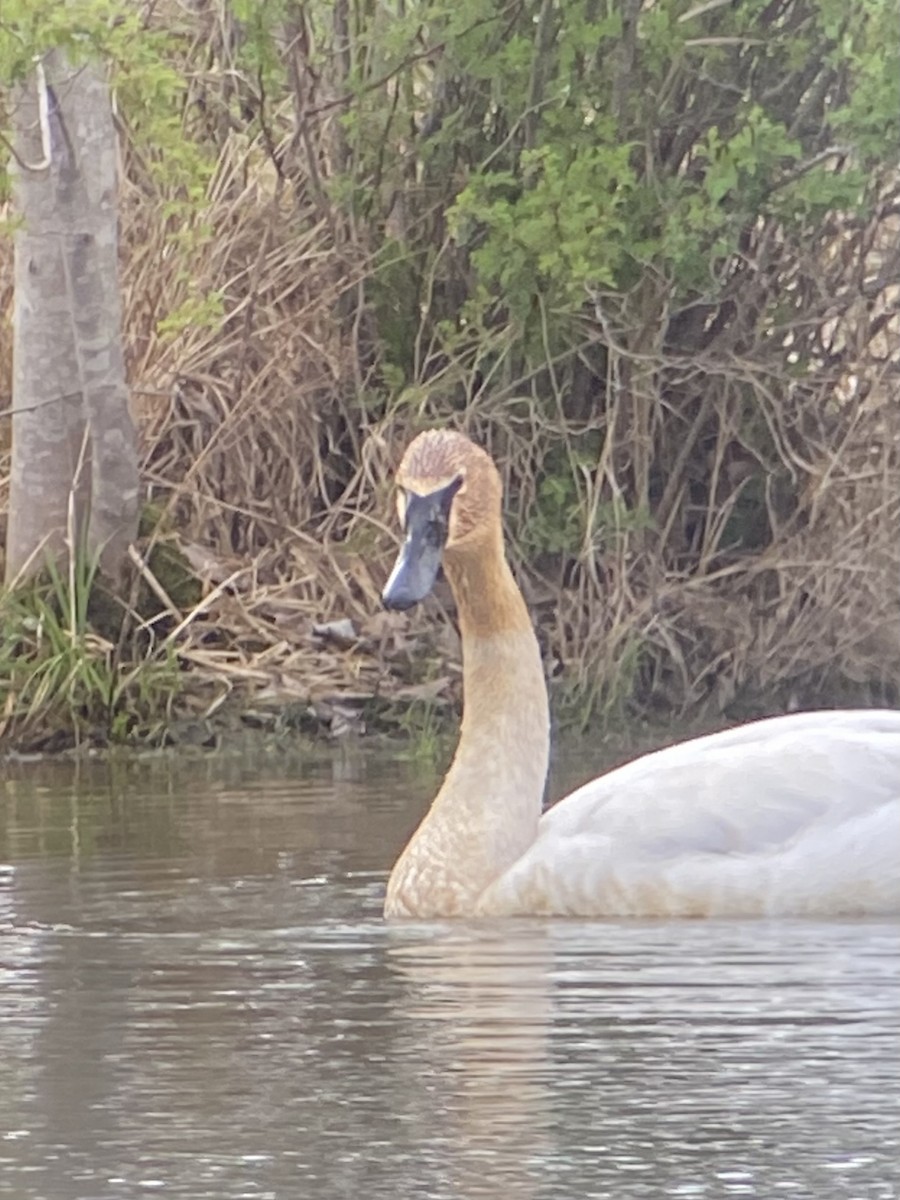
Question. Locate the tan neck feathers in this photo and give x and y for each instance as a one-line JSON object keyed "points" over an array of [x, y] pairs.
{"points": [[487, 597]]}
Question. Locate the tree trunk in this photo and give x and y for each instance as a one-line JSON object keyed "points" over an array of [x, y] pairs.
{"points": [[74, 478]]}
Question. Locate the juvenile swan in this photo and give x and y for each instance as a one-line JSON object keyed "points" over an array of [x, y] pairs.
{"points": [[793, 815]]}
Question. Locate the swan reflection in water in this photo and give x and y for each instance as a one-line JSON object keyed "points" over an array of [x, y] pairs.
{"points": [[480, 1000], [627, 1059]]}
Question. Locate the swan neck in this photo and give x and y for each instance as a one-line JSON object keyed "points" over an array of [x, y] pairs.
{"points": [[504, 691], [486, 814], [488, 599]]}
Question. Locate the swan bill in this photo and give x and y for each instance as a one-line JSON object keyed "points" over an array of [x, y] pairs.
{"points": [[426, 524]]}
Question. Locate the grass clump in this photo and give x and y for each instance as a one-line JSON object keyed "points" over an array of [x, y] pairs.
{"points": [[63, 683]]}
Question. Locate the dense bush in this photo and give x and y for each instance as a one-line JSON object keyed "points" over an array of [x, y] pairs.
{"points": [[647, 253]]}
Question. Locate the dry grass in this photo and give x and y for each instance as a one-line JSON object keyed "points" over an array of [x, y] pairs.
{"points": [[258, 446], [264, 446], [257, 453], [734, 522]]}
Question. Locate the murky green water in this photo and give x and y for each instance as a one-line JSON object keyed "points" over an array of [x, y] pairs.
{"points": [[198, 998]]}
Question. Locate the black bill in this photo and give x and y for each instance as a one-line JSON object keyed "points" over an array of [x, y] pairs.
{"points": [[419, 560]]}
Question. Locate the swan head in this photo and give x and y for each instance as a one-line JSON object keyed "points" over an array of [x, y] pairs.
{"points": [[448, 501]]}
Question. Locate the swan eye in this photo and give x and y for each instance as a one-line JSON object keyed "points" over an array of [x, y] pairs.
{"points": [[447, 496], [436, 533], [439, 502]]}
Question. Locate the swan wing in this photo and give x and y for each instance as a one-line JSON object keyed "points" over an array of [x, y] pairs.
{"points": [[795, 814]]}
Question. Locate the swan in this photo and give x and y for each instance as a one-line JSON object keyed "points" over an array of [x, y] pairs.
{"points": [[792, 815]]}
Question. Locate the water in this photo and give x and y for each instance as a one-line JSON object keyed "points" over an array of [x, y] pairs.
{"points": [[198, 998]]}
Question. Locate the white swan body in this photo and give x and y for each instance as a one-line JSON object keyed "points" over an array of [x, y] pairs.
{"points": [[793, 815]]}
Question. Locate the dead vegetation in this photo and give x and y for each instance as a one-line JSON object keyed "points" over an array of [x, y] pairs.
{"points": [[703, 497]]}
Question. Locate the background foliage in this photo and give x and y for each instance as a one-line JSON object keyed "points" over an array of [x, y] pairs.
{"points": [[647, 253]]}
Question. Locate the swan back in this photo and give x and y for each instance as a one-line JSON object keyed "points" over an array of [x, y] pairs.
{"points": [[796, 814]]}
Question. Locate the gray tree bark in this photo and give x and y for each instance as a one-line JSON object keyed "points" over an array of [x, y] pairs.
{"points": [[74, 475]]}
